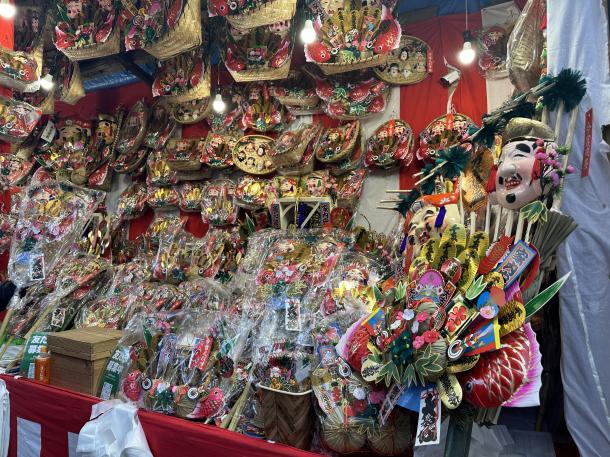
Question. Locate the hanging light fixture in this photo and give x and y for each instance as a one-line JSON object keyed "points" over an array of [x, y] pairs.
{"points": [[7, 9], [467, 54], [218, 105], [308, 34], [47, 83]]}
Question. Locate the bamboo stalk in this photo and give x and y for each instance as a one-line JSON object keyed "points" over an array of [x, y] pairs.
{"points": [[398, 191], [519, 232], [498, 217], [488, 217], [473, 222], [508, 228], [239, 407]]}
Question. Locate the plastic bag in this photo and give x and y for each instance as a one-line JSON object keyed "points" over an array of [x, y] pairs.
{"points": [[525, 46], [17, 120], [113, 430], [51, 217]]}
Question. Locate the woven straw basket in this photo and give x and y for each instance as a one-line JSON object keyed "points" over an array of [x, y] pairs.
{"points": [[93, 51], [346, 117], [335, 68], [262, 74], [201, 90], [268, 13], [346, 151], [76, 90], [299, 101], [203, 114], [37, 55], [289, 417], [184, 37]]}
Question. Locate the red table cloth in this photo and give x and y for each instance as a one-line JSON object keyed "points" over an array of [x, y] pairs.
{"points": [[60, 411]]}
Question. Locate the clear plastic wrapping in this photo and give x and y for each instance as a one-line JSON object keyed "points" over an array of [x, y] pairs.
{"points": [[52, 216]]}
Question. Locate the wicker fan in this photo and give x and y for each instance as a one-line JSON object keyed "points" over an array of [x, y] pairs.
{"points": [[354, 37], [259, 54]]}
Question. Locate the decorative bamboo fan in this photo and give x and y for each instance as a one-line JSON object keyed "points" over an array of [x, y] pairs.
{"points": [[442, 133], [337, 143], [192, 111], [390, 145], [259, 54], [250, 155], [353, 38], [253, 13], [183, 78], [84, 31], [410, 63]]}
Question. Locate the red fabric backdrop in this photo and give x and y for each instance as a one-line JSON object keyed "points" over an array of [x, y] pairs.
{"points": [[421, 103]]}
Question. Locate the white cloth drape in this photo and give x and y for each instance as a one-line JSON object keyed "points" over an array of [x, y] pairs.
{"points": [[5, 419], [578, 39]]}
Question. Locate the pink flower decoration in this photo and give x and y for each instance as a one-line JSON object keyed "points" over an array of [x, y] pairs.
{"points": [[540, 142], [555, 179], [423, 316], [418, 342], [570, 169], [541, 156], [430, 336]]}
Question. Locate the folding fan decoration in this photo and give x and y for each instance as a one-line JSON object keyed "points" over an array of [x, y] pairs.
{"points": [[163, 28], [247, 14], [410, 63], [259, 54], [352, 97], [354, 37], [85, 29], [183, 78]]}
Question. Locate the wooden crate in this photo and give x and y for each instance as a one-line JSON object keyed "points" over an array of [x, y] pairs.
{"points": [[78, 357]]}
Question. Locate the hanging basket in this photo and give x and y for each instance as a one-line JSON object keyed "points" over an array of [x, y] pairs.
{"points": [[76, 90], [262, 74], [289, 417], [200, 91], [186, 35], [335, 68], [96, 50], [37, 54], [192, 111], [268, 13]]}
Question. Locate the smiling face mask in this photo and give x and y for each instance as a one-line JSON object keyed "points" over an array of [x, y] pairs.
{"points": [[518, 177]]}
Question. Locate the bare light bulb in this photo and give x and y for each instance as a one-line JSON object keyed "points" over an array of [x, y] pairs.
{"points": [[46, 83], [218, 105], [7, 9], [467, 54], [308, 34]]}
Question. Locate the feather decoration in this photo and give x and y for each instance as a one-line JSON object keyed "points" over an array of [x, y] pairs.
{"points": [[495, 122], [568, 87], [452, 161], [428, 186], [406, 201]]}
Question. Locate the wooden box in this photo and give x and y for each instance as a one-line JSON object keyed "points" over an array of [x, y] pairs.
{"points": [[78, 357]]}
